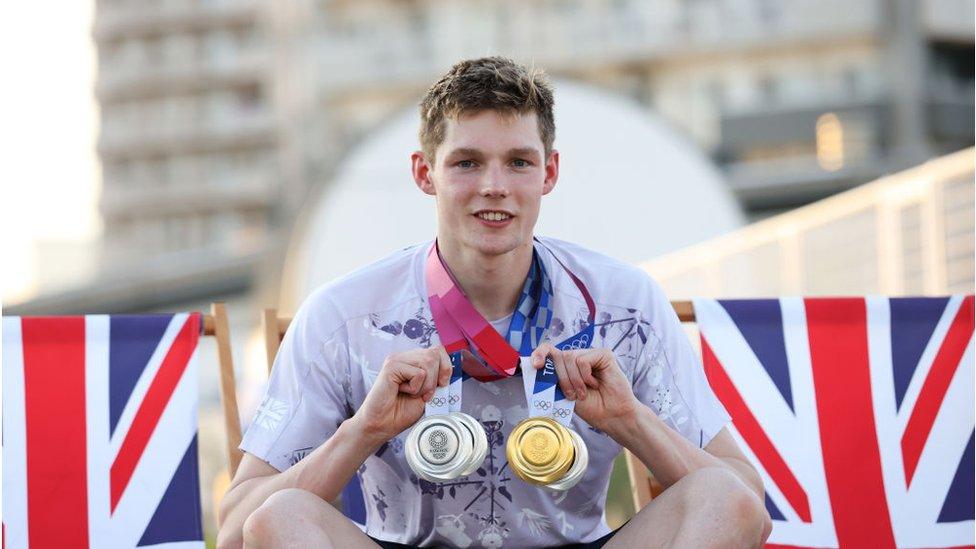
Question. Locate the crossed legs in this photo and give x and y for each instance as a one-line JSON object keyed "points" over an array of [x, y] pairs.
{"points": [[296, 518], [708, 508]]}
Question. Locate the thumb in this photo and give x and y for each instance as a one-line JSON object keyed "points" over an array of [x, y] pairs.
{"points": [[540, 353]]}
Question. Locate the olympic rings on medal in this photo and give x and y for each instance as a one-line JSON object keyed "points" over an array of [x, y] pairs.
{"points": [[438, 401]]}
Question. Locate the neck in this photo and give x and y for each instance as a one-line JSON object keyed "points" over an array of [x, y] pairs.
{"points": [[493, 283]]}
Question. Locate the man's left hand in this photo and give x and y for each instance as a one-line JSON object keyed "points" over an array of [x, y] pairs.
{"points": [[595, 381]]}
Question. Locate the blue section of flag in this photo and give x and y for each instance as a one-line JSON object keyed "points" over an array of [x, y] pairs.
{"points": [[177, 517], [760, 321], [774, 512], [959, 501], [913, 321], [132, 341]]}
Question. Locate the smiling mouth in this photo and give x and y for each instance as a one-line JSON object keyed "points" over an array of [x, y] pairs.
{"points": [[493, 216]]}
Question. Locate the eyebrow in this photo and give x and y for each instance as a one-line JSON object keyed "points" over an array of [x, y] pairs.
{"points": [[523, 151]]}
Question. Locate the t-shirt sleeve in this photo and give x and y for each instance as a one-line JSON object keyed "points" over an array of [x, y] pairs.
{"points": [[305, 398], [670, 379]]}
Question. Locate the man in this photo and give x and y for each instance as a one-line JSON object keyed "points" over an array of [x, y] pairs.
{"points": [[364, 354]]}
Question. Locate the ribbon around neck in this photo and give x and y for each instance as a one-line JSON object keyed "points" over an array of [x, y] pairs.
{"points": [[460, 326]]}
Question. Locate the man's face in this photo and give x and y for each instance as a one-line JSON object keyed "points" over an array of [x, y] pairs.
{"points": [[489, 176]]}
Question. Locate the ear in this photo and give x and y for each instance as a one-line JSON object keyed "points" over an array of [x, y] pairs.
{"points": [[552, 172], [421, 172]]}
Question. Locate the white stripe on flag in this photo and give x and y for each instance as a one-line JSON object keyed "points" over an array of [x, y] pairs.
{"points": [[14, 436], [940, 457], [883, 401], [97, 424], [142, 385], [155, 469]]}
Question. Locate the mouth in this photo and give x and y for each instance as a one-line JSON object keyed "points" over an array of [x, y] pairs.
{"points": [[494, 218]]}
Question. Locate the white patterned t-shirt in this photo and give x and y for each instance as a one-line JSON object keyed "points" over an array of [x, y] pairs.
{"points": [[340, 336]]}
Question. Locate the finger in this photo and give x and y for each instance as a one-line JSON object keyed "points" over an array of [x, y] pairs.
{"points": [[563, 376], [408, 378], [427, 396], [575, 378], [602, 362], [540, 353], [432, 364], [584, 363], [444, 375]]}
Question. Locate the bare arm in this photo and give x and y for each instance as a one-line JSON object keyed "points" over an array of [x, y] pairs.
{"points": [[670, 456], [324, 472], [395, 402]]}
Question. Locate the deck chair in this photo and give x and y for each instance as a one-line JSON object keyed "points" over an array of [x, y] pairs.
{"points": [[216, 325], [643, 485], [100, 431]]}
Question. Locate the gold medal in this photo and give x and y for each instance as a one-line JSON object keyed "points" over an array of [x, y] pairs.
{"points": [[540, 450]]}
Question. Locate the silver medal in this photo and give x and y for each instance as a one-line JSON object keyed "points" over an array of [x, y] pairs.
{"points": [[446, 443]]}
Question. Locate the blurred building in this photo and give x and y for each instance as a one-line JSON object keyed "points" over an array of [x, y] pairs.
{"points": [[794, 99], [910, 233], [188, 139], [221, 117]]}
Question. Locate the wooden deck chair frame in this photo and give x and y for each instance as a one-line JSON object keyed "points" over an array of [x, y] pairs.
{"points": [[643, 485], [216, 324]]}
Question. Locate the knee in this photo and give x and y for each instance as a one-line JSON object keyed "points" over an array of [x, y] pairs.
{"points": [[721, 498], [263, 527]]}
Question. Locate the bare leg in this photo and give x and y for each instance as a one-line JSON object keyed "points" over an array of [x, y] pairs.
{"points": [[296, 518], [708, 508]]}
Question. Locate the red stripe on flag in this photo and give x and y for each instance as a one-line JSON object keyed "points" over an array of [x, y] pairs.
{"points": [[838, 335], [935, 386], [152, 406], [748, 426], [54, 407]]}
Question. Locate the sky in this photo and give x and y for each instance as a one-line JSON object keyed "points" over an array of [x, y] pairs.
{"points": [[50, 172]]}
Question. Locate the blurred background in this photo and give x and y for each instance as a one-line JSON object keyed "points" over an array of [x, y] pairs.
{"points": [[173, 153]]}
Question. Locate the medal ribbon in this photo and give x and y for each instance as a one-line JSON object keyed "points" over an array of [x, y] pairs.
{"points": [[460, 325], [448, 399], [542, 391]]}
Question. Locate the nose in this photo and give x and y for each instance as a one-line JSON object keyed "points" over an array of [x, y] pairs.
{"points": [[494, 184]]}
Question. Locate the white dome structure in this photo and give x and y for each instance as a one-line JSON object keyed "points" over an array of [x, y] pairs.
{"points": [[629, 187]]}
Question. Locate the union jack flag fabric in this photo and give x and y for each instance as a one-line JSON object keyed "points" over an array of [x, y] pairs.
{"points": [[100, 432], [857, 412]]}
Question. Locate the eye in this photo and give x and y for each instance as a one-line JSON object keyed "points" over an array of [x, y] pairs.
{"points": [[521, 163], [465, 164]]}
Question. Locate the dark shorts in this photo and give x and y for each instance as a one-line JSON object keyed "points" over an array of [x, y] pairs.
{"points": [[595, 544]]}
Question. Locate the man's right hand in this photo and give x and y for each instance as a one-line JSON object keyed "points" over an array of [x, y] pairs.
{"points": [[402, 388]]}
